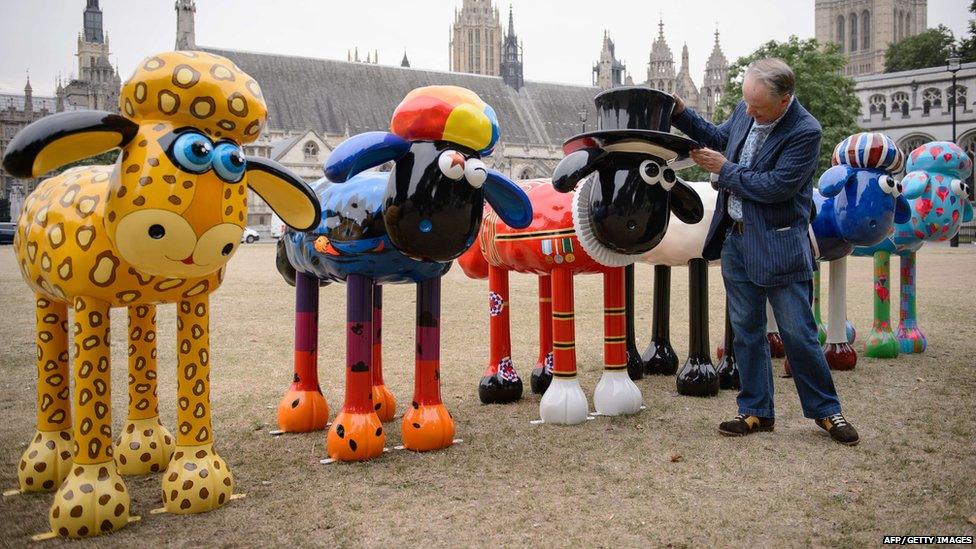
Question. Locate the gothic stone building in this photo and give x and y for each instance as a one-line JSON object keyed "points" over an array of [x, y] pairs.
{"points": [[865, 28]]}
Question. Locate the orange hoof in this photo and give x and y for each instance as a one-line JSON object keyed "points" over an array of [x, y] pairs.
{"points": [[384, 403], [302, 412], [355, 437], [427, 427]]}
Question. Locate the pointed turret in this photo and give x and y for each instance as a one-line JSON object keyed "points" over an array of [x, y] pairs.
{"points": [[511, 63], [716, 73], [185, 27], [29, 93], [660, 66], [608, 72], [405, 62]]}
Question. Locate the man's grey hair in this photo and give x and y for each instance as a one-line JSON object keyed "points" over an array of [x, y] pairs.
{"points": [[773, 73]]}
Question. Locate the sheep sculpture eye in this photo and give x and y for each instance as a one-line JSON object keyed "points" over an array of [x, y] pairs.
{"points": [[668, 178], [451, 164], [888, 185], [228, 162], [475, 172], [193, 152], [650, 172], [958, 187]]}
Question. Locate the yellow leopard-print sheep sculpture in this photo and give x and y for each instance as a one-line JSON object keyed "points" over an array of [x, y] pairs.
{"points": [[157, 227]]}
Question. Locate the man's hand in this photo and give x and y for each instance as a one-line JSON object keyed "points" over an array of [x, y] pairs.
{"points": [[709, 160], [679, 105]]}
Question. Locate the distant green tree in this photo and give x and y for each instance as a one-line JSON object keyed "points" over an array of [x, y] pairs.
{"points": [[820, 88], [693, 173], [930, 48], [967, 44]]}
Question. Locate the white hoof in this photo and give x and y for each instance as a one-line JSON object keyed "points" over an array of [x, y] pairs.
{"points": [[564, 402], [616, 394]]}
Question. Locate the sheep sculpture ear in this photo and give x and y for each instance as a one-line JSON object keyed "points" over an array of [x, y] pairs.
{"points": [[65, 137], [834, 179], [362, 152], [575, 167]]}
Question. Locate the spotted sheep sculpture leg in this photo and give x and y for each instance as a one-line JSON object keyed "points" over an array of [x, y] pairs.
{"points": [[47, 458], [303, 408], [357, 433], [500, 384], [910, 336], [615, 394], [564, 401], [542, 371], [427, 425], [144, 446], [383, 400]]}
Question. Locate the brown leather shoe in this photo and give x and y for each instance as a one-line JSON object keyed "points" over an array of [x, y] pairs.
{"points": [[744, 424], [839, 429]]}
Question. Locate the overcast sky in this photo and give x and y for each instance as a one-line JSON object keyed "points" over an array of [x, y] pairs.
{"points": [[562, 38]]}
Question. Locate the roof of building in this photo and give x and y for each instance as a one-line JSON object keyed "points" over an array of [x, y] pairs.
{"points": [[331, 97], [39, 102]]}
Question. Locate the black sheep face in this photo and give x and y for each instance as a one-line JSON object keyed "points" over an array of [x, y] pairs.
{"points": [[630, 201], [434, 200], [630, 197]]}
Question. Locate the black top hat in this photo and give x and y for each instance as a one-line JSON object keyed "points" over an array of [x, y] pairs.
{"points": [[635, 119]]}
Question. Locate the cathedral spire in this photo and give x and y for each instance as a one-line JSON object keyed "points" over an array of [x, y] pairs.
{"points": [[28, 96], [511, 23], [93, 23], [185, 32], [511, 62], [660, 65], [405, 62], [608, 72]]}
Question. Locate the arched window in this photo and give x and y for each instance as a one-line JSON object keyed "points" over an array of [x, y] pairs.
{"points": [[876, 104], [931, 98], [865, 30], [968, 144], [911, 142], [841, 33], [899, 103], [525, 173], [957, 96], [853, 20], [311, 151]]}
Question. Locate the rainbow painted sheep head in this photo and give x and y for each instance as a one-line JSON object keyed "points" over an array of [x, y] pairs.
{"points": [[437, 188], [861, 188], [936, 177]]}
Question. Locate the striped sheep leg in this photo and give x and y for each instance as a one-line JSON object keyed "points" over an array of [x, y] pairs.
{"points": [[500, 383], [615, 394], [303, 408], [659, 357], [910, 337], [357, 433], [428, 425], [838, 351], [564, 401], [384, 403], [542, 372]]}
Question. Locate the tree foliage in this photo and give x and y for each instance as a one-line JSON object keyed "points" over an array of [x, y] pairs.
{"points": [[967, 48], [930, 48], [820, 88], [105, 159]]}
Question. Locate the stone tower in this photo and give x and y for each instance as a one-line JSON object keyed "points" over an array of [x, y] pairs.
{"points": [[608, 72], [511, 66], [185, 34], [476, 39], [716, 72], [97, 84], [865, 28], [684, 86], [660, 67]]}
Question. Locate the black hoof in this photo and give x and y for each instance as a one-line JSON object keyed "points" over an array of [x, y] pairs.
{"points": [[697, 378], [660, 359], [540, 380], [635, 365], [495, 390], [728, 373]]}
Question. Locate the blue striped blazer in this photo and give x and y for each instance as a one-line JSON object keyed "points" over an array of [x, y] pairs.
{"points": [[776, 191]]}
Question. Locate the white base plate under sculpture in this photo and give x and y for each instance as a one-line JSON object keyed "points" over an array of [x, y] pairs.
{"points": [[616, 394], [564, 402]]}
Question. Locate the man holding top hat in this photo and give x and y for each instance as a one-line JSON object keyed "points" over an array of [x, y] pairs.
{"points": [[760, 231]]}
